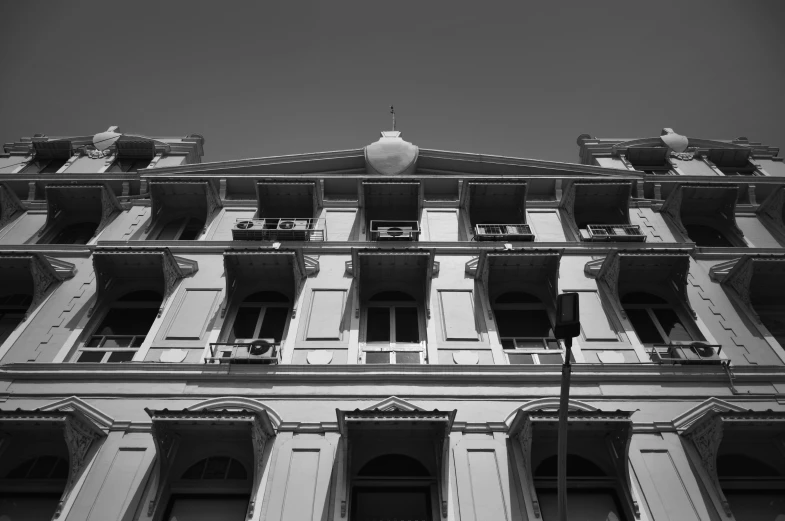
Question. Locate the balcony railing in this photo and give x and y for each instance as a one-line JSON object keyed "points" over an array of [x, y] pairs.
{"points": [[395, 230], [262, 351], [279, 229], [691, 353], [615, 233], [503, 232]]}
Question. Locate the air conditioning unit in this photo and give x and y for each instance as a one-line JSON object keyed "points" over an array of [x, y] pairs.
{"points": [[293, 224], [244, 225], [695, 353], [260, 350], [395, 233]]}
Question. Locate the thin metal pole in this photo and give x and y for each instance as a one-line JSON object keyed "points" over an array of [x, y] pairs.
{"points": [[392, 111], [561, 453]]}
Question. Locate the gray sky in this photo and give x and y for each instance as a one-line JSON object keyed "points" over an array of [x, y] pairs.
{"points": [[520, 79]]}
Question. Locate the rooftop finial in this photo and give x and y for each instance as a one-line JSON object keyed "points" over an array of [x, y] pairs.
{"points": [[392, 111]]}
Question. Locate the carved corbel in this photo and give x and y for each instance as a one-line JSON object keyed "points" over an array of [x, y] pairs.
{"points": [[706, 437], [78, 438], [259, 439], [619, 443], [166, 441], [525, 437]]}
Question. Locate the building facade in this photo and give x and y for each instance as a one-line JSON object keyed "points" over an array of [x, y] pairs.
{"points": [[367, 334]]}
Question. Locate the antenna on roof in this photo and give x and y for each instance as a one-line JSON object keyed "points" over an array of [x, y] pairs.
{"points": [[392, 111]]}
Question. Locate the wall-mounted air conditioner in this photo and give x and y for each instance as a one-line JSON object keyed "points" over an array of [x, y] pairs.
{"points": [[395, 233], [259, 351], [694, 353], [293, 224]]}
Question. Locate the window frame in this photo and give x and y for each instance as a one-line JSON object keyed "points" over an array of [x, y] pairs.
{"points": [[686, 321], [392, 346], [263, 307], [186, 219], [545, 341]]}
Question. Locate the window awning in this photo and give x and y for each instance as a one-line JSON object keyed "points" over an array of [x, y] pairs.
{"points": [[271, 270], [392, 200], [278, 199], [125, 265], [61, 149], [688, 202], [495, 201], [87, 202], [199, 198], [206, 424], [755, 279], [131, 147], [10, 205], [520, 271], [408, 271], [641, 157], [627, 271], [31, 273], [729, 157], [606, 203], [772, 209]]}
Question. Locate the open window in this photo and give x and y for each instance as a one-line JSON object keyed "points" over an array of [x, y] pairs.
{"points": [[261, 288], [397, 465], [598, 481], [732, 161], [209, 463], [497, 210], [600, 211], [181, 210], [133, 286], [287, 211], [740, 461], [394, 290], [44, 454], [10, 206], [651, 160], [77, 213], [650, 291], [705, 214], [49, 156], [392, 209], [522, 289], [132, 154], [25, 280]]}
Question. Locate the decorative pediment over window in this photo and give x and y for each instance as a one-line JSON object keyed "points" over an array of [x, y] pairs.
{"points": [[10, 205], [31, 274], [772, 209], [409, 271], [610, 431], [640, 270], [171, 428], [73, 428], [67, 204], [171, 199], [115, 266], [272, 270], [512, 270], [754, 279], [597, 203], [693, 203]]}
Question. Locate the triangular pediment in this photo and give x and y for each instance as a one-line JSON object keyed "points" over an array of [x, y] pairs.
{"points": [[393, 403], [712, 405]]}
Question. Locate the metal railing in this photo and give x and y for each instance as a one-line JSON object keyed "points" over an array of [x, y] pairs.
{"points": [[699, 353], [615, 232], [279, 229], [503, 232], [240, 353], [394, 230]]}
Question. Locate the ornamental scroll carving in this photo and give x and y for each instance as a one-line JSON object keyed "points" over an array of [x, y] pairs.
{"points": [[109, 208], [568, 201], [707, 437], [43, 279], [10, 206], [78, 438], [672, 208], [525, 437], [739, 280], [259, 438], [165, 439], [213, 203]]}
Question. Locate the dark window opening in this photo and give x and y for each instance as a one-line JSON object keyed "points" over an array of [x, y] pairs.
{"points": [[77, 233], [522, 323], [517, 297], [393, 466], [207, 507], [391, 503], [263, 314], [182, 229], [129, 165], [42, 467], [703, 235], [773, 318], [216, 468], [397, 296], [654, 320], [577, 466], [13, 309], [743, 466], [44, 166], [378, 328]]}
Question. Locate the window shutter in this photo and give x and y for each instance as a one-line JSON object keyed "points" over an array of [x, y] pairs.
{"points": [[547, 226], [324, 320], [340, 224], [192, 314], [594, 321], [442, 225], [458, 315]]}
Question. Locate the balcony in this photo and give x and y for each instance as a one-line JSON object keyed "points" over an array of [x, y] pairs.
{"points": [[395, 230], [260, 351], [503, 232], [279, 229], [687, 353], [614, 233]]}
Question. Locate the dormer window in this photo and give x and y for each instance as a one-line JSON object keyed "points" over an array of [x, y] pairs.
{"points": [[181, 210], [732, 162], [286, 211], [705, 214], [497, 210], [392, 210], [651, 160], [77, 213], [132, 154], [601, 211], [50, 156]]}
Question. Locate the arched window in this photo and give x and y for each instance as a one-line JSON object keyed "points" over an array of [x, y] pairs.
{"points": [[261, 315], [181, 229], [525, 329], [705, 235], [392, 323], [655, 320], [752, 477], [76, 233], [392, 486], [35, 487], [216, 467], [12, 312], [123, 329]]}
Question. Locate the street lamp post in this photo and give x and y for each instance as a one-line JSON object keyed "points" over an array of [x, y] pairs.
{"points": [[568, 326]]}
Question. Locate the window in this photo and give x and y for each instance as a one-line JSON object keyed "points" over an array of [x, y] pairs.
{"points": [[392, 486], [261, 315], [525, 329], [77, 233], [44, 166], [651, 160], [182, 229], [36, 486], [704, 235], [129, 164], [654, 319], [752, 486], [13, 309], [123, 329], [392, 318], [216, 472]]}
